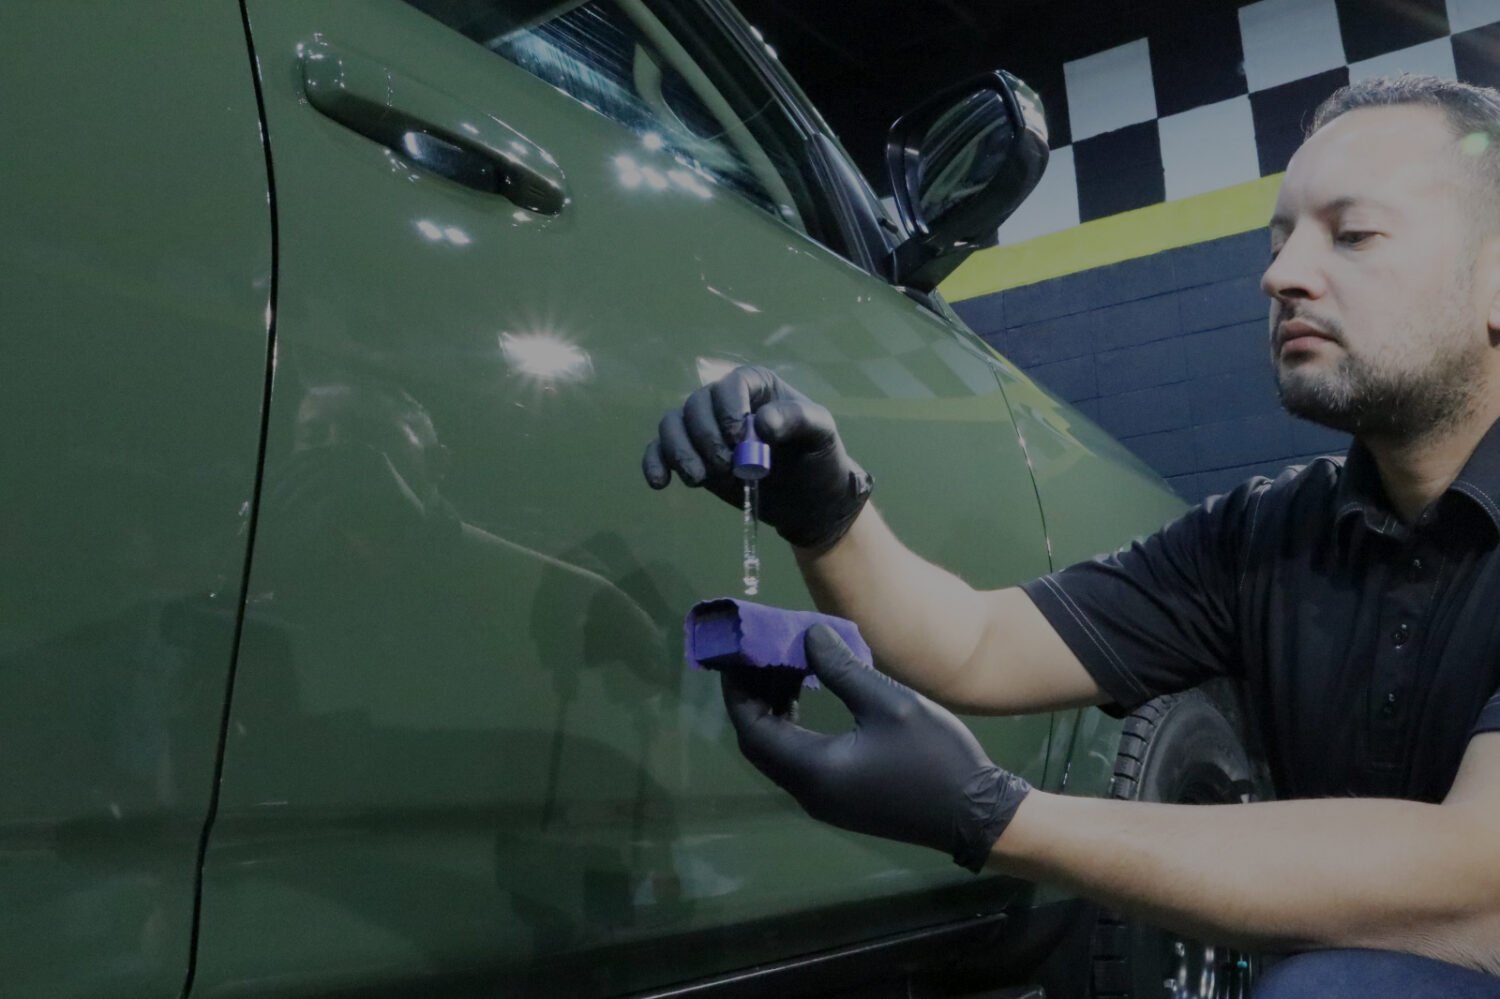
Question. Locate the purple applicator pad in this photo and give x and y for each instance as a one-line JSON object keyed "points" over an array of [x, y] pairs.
{"points": [[727, 633]]}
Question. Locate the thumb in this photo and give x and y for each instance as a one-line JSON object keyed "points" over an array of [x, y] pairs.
{"points": [[778, 747], [866, 691]]}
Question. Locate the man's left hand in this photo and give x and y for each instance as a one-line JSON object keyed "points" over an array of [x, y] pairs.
{"points": [[908, 770]]}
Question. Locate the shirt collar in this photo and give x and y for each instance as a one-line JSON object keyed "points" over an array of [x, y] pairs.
{"points": [[1480, 479], [1360, 490]]}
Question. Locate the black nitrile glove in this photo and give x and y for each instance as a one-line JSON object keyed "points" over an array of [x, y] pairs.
{"points": [[814, 491], [908, 770]]}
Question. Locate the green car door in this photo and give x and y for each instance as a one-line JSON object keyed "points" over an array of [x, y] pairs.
{"points": [[463, 749], [135, 275]]}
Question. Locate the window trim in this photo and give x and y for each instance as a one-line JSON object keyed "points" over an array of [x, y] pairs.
{"points": [[847, 193], [708, 92]]}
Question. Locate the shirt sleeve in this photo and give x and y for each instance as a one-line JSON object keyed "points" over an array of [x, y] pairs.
{"points": [[1159, 615], [1489, 716]]}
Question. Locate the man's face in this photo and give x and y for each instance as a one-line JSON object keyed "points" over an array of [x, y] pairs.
{"points": [[1375, 326]]}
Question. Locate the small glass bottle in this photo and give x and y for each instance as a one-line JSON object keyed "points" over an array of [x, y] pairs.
{"points": [[752, 462]]}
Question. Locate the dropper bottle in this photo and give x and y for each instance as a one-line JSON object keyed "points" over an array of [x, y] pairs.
{"points": [[752, 462]]}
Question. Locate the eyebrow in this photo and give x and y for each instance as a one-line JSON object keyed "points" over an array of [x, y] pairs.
{"points": [[1335, 207]]}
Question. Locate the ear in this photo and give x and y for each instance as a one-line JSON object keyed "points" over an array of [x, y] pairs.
{"points": [[1493, 316], [1487, 285]]}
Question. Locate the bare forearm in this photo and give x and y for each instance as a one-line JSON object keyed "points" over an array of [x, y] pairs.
{"points": [[922, 622], [983, 651], [1280, 875]]}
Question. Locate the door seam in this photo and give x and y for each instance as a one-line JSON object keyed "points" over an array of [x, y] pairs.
{"points": [[254, 511]]}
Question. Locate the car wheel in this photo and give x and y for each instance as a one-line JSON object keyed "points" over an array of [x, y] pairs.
{"points": [[1180, 749]]}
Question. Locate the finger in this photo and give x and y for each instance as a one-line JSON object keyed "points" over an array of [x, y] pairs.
{"points": [[783, 751], [678, 450], [704, 430], [763, 385], [656, 471], [866, 691], [799, 422], [734, 396]]}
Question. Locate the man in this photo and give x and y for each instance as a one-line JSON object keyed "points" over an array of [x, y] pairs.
{"points": [[1355, 599]]}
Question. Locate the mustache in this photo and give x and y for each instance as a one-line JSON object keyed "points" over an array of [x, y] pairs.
{"points": [[1332, 328]]}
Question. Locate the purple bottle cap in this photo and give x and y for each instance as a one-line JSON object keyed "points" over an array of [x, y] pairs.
{"points": [[752, 456]]}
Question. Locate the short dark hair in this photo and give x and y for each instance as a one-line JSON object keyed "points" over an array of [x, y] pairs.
{"points": [[1469, 108], [1473, 114]]}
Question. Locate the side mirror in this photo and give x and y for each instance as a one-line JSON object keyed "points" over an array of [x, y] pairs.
{"points": [[961, 164]]}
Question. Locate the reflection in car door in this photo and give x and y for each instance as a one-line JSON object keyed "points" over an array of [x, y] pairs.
{"points": [[462, 741]]}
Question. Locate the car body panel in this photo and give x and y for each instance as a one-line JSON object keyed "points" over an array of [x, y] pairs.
{"points": [[1074, 463], [462, 754], [466, 757], [134, 287]]}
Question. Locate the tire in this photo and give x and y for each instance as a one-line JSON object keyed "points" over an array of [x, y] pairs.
{"points": [[1181, 749]]}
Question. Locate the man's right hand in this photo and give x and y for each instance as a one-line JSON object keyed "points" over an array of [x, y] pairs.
{"points": [[814, 491]]}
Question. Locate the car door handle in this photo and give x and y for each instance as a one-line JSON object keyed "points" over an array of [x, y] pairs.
{"points": [[432, 129]]}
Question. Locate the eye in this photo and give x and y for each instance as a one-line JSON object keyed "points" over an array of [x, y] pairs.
{"points": [[1353, 237]]}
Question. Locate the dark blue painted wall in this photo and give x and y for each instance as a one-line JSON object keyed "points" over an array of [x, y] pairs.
{"points": [[1169, 354]]}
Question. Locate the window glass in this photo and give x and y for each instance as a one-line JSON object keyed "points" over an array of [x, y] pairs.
{"points": [[620, 58]]}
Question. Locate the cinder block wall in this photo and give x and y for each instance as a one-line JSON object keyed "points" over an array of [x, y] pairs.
{"points": [[1169, 354]]}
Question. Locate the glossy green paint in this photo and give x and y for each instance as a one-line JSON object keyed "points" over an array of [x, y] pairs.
{"points": [[462, 751], [478, 753], [134, 284], [1096, 496]]}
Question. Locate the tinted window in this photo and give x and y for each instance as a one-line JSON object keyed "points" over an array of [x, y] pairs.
{"points": [[621, 59]]}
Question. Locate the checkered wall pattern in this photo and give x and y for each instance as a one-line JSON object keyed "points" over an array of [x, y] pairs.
{"points": [[1216, 95]]}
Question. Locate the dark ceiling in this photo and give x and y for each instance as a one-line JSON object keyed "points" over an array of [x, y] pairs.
{"points": [[865, 63]]}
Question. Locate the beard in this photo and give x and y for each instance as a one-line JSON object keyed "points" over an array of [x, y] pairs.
{"points": [[1400, 399]]}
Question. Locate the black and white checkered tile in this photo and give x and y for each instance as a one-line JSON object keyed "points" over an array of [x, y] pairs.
{"points": [[1215, 93]]}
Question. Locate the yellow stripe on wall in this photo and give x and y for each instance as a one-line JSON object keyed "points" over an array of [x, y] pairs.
{"points": [[1132, 234]]}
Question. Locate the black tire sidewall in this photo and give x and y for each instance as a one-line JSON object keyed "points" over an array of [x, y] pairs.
{"points": [[1194, 756], [1178, 749]]}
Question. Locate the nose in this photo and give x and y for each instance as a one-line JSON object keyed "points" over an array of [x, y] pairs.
{"points": [[1296, 273]]}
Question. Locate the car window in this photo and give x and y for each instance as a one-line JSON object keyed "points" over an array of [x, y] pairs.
{"points": [[660, 71]]}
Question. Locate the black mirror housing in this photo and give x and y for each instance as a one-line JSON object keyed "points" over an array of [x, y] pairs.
{"points": [[960, 164]]}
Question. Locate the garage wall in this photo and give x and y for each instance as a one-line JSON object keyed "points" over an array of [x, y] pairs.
{"points": [[1168, 353], [1128, 282]]}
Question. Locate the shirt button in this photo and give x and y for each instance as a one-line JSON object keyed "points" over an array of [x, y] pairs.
{"points": [[1401, 635], [1414, 571], [1389, 707]]}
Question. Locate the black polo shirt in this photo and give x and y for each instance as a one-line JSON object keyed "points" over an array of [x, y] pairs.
{"points": [[1369, 649]]}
